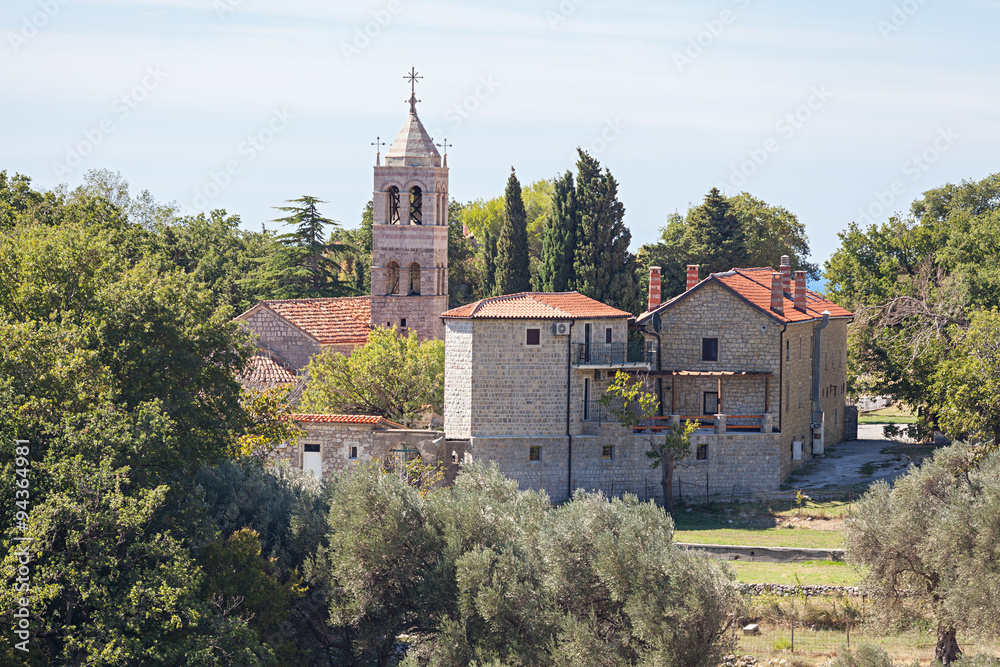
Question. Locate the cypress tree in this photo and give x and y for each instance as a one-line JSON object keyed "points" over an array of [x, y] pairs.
{"points": [[715, 235], [555, 270], [488, 285], [512, 269], [604, 267]]}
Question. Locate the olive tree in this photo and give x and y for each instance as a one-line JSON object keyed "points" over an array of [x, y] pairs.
{"points": [[933, 540]]}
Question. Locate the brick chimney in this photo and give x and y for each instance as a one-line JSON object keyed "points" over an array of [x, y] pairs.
{"points": [[800, 291], [654, 287], [692, 275], [786, 275], [777, 298]]}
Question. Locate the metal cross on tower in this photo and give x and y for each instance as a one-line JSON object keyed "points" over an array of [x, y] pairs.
{"points": [[445, 146], [413, 77], [378, 150]]}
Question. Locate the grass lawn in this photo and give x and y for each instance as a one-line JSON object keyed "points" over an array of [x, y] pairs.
{"points": [[809, 573], [895, 414], [764, 537]]}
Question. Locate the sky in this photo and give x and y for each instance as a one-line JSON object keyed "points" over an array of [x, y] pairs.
{"points": [[839, 112]]}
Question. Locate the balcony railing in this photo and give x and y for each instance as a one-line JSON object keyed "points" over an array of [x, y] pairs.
{"points": [[633, 353], [595, 413]]}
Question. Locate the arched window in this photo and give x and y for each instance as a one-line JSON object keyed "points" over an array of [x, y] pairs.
{"points": [[392, 278], [416, 206], [414, 278], [393, 205]]}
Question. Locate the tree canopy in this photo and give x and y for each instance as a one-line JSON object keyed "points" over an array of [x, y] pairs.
{"points": [[512, 266]]}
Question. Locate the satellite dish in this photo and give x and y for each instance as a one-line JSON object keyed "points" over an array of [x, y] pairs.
{"points": [[657, 324]]}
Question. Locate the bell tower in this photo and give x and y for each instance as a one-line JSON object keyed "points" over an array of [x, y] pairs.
{"points": [[410, 231]]}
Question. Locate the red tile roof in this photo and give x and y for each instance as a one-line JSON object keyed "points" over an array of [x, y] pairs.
{"points": [[347, 419], [536, 306], [265, 372], [331, 320], [754, 286]]}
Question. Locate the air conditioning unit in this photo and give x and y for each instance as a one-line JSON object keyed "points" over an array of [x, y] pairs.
{"points": [[560, 329]]}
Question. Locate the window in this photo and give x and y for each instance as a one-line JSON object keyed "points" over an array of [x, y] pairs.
{"points": [[416, 206], [607, 335], [710, 403], [586, 342], [597, 376], [533, 337], [312, 448], [702, 453], [354, 452], [414, 279], [393, 205], [709, 349], [608, 453], [535, 453], [454, 457], [586, 399], [402, 323], [392, 278]]}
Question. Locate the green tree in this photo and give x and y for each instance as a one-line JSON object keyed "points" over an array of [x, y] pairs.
{"points": [[932, 541], [488, 259], [393, 376], [633, 406], [382, 548], [716, 234], [555, 269], [603, 267], [356, 266], [512, 264], [463, 276], [305, 266]]}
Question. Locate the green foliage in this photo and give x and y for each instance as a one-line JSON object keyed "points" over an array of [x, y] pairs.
{"points": [[270, 424], [356, 254], [463, 274], [304, 266], [396, 377], [555, 268], [934, 536], [603, 267], [512, 266], [865, 655], [724, 233]]}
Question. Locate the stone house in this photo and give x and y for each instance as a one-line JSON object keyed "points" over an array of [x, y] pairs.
{"points": [[335, 443], [523, 374], [754, 347]]}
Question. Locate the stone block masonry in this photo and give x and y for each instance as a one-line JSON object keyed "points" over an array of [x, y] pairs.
{"points": [[277, 335], [746, 463]]}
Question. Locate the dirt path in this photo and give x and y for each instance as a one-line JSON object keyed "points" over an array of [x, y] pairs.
{"points": [[857, 463]]}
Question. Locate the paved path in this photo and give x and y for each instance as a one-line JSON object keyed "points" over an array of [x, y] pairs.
{"points": [[843, 464]]}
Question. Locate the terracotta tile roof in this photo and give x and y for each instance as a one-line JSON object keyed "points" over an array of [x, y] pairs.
{"points": [[754, 286], [347, 419], [265, 372], [331, 320], [536, 306]]}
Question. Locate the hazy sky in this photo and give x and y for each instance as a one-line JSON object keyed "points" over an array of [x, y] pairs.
{"points": [[824, 108]]}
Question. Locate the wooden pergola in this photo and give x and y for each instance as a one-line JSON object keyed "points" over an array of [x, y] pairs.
{"points": [[721, 375]]}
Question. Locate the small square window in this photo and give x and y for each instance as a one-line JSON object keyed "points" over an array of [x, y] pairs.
{"points": [[608, 453], [533, 337], [535, 453], [354, 452], [709, 349], [402, 323], [702, 453]]}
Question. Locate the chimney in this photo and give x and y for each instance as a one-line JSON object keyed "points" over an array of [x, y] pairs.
{"points": [[800, 291], [777, 298], [692, 275], [786, 275], [654, 288]]}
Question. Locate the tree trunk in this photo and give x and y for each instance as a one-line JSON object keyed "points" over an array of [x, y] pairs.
{"points": [[947, 650], [667, 465]]}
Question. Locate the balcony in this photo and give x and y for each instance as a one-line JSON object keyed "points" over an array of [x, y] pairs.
{"points": [[634, 354], [595, 413]]}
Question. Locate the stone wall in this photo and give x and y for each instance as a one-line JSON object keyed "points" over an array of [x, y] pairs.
{"points": [[336, 440], [278, 335], [747, 461], [458, 378]]}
